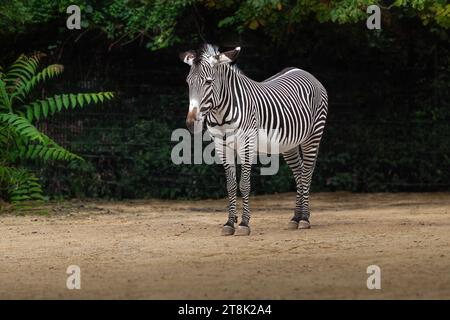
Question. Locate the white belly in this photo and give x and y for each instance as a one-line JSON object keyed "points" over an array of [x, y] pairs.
{"points": [[269, 144], [266, 143]]}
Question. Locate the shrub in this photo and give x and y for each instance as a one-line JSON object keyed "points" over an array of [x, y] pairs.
{"points": [[20, 140]]}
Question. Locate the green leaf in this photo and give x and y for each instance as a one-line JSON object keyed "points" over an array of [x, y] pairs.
{"points": [[36, 150], [21, 126], [37, 110], [44, 108], [87, 97], [73, 100], [52, 104], [66, 101], [80, 99], [48, 154], [29, 114], [109, 95], [59, 103]]}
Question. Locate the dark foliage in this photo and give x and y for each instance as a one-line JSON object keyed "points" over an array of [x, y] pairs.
{"points": [[388, 127]]}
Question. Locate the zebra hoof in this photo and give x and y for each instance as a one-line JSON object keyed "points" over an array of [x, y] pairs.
{"points": [[303, 224], [292, 225], [227, 230], [242, 231]]}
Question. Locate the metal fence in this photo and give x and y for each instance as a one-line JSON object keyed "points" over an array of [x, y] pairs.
{"points": [[155, 90]]}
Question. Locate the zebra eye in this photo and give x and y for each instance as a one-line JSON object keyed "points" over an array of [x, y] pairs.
{"points": [[209, 80]]}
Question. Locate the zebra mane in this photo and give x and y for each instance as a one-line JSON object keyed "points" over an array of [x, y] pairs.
{"points": [[205, 51]]}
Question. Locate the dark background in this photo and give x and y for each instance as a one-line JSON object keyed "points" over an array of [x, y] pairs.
{"points": [[387, 129]]}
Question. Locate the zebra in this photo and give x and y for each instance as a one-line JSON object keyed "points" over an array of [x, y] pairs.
{"points": [[292, 101]]}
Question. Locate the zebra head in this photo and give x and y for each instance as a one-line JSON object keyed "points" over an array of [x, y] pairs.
{"points": [[202, 80]]}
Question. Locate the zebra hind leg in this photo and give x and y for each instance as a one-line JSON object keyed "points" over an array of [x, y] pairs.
{"points": [[310, 151], [295, 162]]}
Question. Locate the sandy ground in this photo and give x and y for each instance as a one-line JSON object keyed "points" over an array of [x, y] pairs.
{"points": [[173, 249]]}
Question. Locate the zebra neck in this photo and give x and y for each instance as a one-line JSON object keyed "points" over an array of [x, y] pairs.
{"points": [[229, 94]]}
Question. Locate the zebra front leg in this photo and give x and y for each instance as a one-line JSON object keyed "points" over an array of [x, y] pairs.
{"points": [[230, 172], [227, 156], [244, 186], [246, 156]]}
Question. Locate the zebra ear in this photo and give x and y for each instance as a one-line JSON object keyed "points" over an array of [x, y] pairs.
{"points": [[188, 57], [228, 56]]}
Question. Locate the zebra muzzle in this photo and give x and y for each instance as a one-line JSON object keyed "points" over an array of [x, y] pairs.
{"points": [[191, 120]]}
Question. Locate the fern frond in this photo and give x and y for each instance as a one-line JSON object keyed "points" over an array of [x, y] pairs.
{"points": [[21, 126], [20, 184], [19, 138], [43, 108], [47, 152], [7, 137], [24, 186], [26, 86], [6, 174], [22, 71], [5, 101], [35, 58], [3, 136]]}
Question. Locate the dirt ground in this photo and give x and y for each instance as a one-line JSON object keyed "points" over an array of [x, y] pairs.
{"points": [[156, 249]]}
